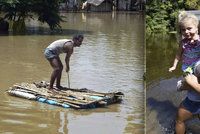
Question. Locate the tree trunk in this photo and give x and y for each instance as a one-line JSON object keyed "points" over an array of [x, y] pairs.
{"points": [[19, 26]]}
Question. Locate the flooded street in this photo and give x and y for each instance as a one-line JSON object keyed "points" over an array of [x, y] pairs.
{"points": [[110, 59]]}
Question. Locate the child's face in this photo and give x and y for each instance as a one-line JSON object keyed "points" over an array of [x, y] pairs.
{"points": [[189, 30]]}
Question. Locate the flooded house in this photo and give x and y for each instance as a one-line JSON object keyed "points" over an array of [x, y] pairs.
{"points": [[73, 5], [129, 5], [103, 5], [98, 5]]}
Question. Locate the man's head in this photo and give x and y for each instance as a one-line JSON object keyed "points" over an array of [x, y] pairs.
{"points": [[77, 39]]}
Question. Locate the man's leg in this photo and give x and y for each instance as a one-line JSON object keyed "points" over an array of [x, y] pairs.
{"points": [[55, 64], [59, 74]]}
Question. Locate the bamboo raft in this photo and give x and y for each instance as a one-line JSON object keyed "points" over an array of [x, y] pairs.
{"points": [[67, 97]]}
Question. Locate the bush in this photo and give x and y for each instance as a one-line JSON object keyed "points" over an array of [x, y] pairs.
{"points": [[161, 15]]}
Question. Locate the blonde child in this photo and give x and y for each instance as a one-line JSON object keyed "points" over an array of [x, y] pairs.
{"points": [[187, 51], [189, 54]]}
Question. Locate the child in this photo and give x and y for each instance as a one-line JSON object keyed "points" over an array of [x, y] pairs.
{"points": [[189, 45], [189, 48], [52, 55], [189, 54]]}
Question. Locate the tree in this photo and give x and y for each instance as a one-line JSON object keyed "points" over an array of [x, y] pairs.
{"points": [[161, 15], [17, 11], [47, 11]]}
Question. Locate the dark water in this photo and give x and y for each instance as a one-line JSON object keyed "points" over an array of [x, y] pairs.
{"points": [[110, 59], [162, 98]]}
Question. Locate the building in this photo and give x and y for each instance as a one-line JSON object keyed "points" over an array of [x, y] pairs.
{"points": [[98, 5], [129, 5]]}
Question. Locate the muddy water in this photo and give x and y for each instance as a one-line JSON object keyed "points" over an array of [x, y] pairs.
{"points": [[110, 59]]}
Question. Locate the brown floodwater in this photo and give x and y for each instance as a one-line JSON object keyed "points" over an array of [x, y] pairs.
{"points": [[110, 59]]}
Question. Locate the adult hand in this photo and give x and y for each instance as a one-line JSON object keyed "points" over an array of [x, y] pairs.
{"points": [[191, 79], [172, 69], [67, 69]]}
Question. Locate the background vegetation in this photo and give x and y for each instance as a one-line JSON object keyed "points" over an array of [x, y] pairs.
{"points": [[161, 15], [16, 11]]}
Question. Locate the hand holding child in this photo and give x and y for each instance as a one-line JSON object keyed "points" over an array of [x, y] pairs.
{"points": [[67, 69], [191, 79]]}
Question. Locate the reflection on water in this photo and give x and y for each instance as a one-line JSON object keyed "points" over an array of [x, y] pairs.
{"points": [[161, 93], [160, 53], [110, 59], [162, 97], [63, 123]]}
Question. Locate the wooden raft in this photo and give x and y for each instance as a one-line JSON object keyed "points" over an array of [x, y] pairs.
{"points": [[67, 97]]}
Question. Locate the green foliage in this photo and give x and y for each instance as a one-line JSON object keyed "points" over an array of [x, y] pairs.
{"points": [[14, 9], [191, 4], [47, 11], [161, 15], [17, 10]]}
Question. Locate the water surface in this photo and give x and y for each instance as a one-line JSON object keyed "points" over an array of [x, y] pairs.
{"points": [[110, 59], [162, 98]]}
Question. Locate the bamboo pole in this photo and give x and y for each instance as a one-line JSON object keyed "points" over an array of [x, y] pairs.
{"points": [[68, 100], [68, 103]]}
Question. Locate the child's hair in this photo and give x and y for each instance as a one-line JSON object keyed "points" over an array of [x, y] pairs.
{"points": [[184, 17]]}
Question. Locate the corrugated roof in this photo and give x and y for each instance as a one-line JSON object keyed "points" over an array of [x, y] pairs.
{"points": [[95, 2]]}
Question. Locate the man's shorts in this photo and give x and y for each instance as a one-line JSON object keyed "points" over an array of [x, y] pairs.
{"points": [[192, 106], [49, 54]]}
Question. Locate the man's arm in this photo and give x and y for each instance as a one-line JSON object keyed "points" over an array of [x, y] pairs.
{"points": [[69, 51]]}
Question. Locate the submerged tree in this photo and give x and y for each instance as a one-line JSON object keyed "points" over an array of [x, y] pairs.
{"points": [[17, 11], [47, 11]]}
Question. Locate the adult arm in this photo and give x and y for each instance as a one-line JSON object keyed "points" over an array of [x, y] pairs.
{"points": [[192, 80], [69, 50]]}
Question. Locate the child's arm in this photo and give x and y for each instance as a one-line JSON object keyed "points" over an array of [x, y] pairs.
{"points": [[176, 60], [193, 82]]}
